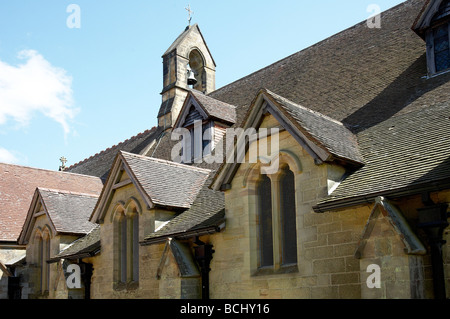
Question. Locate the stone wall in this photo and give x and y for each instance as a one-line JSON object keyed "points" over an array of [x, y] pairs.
{"points": [[326, 242]]}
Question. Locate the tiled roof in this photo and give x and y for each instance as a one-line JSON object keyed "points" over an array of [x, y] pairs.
{"points": [[69, 212], [373, 81], [360, 76], [100, 163], [323, 130], [403, 152], [17, 187], [367, 79], [215, 108], [166, 183], [207, 212], [86, 246]]}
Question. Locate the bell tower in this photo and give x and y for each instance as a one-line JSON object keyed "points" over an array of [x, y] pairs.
{"points": [[187, 65]]}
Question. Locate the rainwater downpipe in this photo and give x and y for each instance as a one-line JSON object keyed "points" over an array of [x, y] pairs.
{"points": [[203, 255], [433, 220]]}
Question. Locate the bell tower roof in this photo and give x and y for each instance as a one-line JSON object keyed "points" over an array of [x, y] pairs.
{"points": [[176, 45]]}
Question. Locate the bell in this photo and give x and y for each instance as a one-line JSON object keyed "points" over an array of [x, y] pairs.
{"points": [[191, 78]]}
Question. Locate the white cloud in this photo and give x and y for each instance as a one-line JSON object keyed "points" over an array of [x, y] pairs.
{"points": [[35, 86], [7, 157]]}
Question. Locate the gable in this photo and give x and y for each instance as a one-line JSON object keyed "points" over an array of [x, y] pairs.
{"points": [[323, 138], [158, 182], [37, 214], [198, 106], [190, 112], [18, 185], [61, 211], [385, 211], [428, 12], [177, 260], [191, 34]]}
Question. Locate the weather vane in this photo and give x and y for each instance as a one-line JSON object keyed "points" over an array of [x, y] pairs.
{"points": [[190, 13]]}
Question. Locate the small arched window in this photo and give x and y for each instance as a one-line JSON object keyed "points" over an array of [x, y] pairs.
{"points": [[264, 193], [126, 224], [273, 209], [43, 255], [197, 65], [287, 216]]}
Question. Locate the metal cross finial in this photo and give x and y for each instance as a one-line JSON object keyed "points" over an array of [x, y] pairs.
{"points": [[190, 12], [63, 162]]}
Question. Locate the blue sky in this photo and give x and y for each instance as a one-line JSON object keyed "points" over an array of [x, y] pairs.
{"points": [[74, 92]]}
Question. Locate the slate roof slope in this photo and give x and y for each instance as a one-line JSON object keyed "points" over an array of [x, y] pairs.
{"points": [[68, 211], [100, 163], [215, 108], [323, 130], [17, 187], [405, 152], [360, 76], [166, 183], [86, 246], [205, 215]]}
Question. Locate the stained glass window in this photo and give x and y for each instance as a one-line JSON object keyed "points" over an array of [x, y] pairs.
{"points": [[441, 48]]}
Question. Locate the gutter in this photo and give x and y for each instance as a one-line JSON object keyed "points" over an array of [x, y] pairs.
{"points": [[75, 256], [370, 198], [183, 235]]}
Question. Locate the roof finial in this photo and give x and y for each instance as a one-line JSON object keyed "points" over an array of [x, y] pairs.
{"points": [[190, 13], [63, 162]]}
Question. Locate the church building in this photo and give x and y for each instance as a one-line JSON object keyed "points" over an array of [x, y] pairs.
{"points": [[325, 175]]}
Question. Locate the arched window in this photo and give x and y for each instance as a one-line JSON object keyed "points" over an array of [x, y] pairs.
{"points": [[43, 255], [197, 65], [133, 247], [122, 228], [45, 264], [287, 216], [273, 210], [264, 193], [126, 225]]}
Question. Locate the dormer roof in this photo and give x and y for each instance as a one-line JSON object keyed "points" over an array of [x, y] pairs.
{"points": [[428, 12], [18, 185], [324, 138], [159, 182], [208, 107], [67, 212]]}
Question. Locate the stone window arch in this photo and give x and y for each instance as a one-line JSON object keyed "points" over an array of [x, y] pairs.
{"points": [[125, 220], [41, 254], [197, 65], [273, 203]]}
